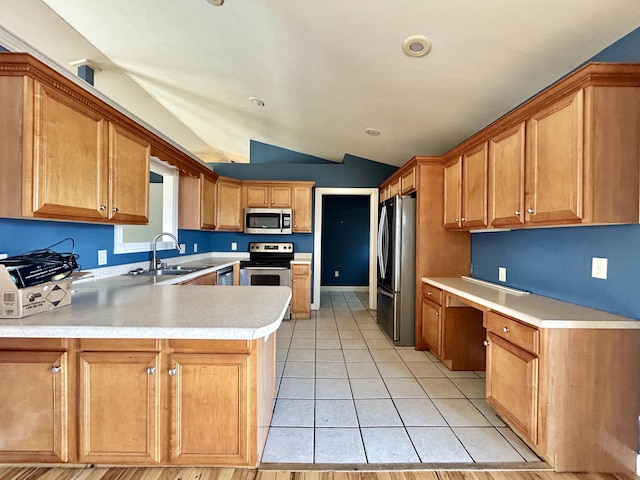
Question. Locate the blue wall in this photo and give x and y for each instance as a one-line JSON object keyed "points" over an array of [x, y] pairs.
{"points": [[345, 240], [556, 262]]}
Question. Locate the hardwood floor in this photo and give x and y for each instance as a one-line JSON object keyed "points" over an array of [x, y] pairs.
{"points": [[194, 473]]}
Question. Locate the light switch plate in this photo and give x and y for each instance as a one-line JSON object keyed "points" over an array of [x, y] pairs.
{"points": [[183, 248], [599, 268], [102, 257], [234, 246], [3, 256], [336, 273], [195, 248], [502, 274]]}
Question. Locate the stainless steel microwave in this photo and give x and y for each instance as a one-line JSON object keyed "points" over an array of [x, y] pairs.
{"points": [[267, 220]]}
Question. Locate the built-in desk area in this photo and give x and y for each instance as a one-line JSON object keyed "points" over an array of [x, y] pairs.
{"points": [[563, 376]]}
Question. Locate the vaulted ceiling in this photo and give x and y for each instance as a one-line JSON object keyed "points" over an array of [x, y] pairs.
{"points": [[325, 70]]}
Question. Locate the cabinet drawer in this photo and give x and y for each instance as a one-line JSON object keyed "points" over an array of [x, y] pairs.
{"points": [[300, 269], [33, 343], [210, 346], [432, 293], [519, 334], [119, 345]]}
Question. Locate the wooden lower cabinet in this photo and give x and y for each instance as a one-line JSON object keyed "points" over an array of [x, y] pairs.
{"points": [[119, 407], [300, 290], [512, 384], [432, 326], [34, 408], [209, 398], [139, 401]]}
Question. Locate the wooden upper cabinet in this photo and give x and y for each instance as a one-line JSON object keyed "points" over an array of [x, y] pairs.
{"points": [[70, 169], [465, 189], [408, 181], [302, 205], [506, 177], [474, 187], [197, 202], [34, 410], [229, 204], [453, 193], [129, 173], [268, 195], [555, 164]]}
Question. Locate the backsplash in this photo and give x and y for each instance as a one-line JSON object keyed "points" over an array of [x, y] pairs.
{"points": [[556, 262]]}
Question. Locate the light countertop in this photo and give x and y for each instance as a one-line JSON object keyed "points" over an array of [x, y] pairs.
{"points": [[533, 309]]}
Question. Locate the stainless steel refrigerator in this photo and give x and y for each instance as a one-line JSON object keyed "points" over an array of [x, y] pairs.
{"points": [[397, 268]]}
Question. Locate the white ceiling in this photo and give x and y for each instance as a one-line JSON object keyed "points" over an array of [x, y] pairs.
{"points": [[326, 70]]}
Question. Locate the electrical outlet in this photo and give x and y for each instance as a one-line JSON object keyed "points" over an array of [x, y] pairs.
{"points": [[336, 273], [3, 256], [102, 257], [234, 245], [195, 248], [599, 268], [183, 249], [502, 274]]}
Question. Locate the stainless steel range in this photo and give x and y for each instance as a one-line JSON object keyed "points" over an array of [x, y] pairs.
{"points": [[268, 264]]}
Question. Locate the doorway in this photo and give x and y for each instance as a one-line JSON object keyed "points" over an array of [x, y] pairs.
{"points": [[320, 193]]}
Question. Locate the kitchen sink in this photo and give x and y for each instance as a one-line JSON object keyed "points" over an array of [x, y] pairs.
{"points": [[172, 270]]}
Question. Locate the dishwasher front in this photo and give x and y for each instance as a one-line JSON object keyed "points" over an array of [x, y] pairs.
{"points": [[225, 276]]}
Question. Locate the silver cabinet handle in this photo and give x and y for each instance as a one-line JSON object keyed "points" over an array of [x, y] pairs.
{"points": [[456, 220], [172, 372], [517, 213], [437, 314], [56, 369], [151, 370], [505, 329], [530, 210], [429, 294], [114, 210], [463, 219], [102, 207], [486, 343]]}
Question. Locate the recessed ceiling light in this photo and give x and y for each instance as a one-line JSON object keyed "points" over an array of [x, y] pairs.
{"points": [[256, 101], [374, 132], [416, 46]]}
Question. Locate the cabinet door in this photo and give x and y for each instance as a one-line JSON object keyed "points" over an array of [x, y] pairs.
{"points": [[280, 197], [474, 187], [506, 177], [452, 194], [555, 163], [129, 176], [70, 170], [408, 181], [209, 398], [208, 205], [432, 326], [302, 210], [119, 407], [229, 206], [257, 196], [33, 407], [512, 384], [300, 290]]}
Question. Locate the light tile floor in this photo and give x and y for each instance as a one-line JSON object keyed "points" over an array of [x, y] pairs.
{"points": [[346, 395]]}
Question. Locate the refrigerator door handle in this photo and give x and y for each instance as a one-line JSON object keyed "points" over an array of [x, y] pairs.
{"points": [[381, 244], [385, 293]]}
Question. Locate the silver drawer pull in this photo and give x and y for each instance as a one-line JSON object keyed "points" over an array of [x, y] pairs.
{"points": [[505, 329], [172, 372], [486, 343], [517, 213], [56, 369], [151, 370], [530, 210], [429, 294]]}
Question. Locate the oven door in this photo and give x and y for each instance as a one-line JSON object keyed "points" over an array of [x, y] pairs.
{"points": [[271, 276]]}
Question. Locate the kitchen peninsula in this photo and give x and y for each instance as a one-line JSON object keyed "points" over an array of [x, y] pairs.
{"points": [[142, 374]]}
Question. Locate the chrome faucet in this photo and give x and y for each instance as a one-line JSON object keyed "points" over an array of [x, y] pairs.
{"points": [[156, 263]]}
